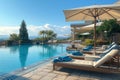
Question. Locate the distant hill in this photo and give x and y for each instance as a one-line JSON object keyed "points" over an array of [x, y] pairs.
{"points": [[62, 37], [6, 37]]}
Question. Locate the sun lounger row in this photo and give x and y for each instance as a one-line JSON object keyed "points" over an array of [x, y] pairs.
{"points": [[91, 57], [93, 65]]}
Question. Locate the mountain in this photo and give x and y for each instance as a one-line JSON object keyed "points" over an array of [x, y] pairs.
{"points": [[4, 37]]}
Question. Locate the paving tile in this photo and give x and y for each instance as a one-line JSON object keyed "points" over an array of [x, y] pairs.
{"points": [[46, 73], [49, 65], [72, 78], [43, 73], [85, 78], [38, 70], [50, 76], [76, 74], [60, 77], [47, 70], [28, 75], [61, 73], [35, 77]]}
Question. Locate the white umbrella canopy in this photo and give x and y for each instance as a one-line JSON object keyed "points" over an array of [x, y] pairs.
{"points": [[94, 12], [101, 12]]}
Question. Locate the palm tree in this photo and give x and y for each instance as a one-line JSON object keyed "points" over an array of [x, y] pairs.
{"points": [[54, 35], [14, 37], [50, 34], [43, 34], [47, 35]]}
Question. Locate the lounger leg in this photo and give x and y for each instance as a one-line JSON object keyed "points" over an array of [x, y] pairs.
{"points": [[53, 66], [118, 61]]}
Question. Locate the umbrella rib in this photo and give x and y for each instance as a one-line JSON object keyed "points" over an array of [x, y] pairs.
{"points": [[94, 14], [97, 12], [76, 13], [86, 14], [102, 12], [109, 13], [91, 13]]}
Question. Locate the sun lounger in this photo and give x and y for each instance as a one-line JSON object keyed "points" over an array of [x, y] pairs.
{"points": [[92, 57], [96, 65]]}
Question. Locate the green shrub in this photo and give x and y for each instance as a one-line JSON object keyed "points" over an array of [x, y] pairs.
{"points": [[9, 42], [102, 42], [25, 42], [88, 42]]}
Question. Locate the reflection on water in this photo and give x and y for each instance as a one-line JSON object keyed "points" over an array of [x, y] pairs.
{"points": [[14, 49], [48, 50], [24, 55]]}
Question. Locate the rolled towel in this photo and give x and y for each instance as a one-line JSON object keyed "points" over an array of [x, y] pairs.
{"points": [[56, 60], [72, 51], [62, 59], [77, 54], [88, 48], [65, 58]]}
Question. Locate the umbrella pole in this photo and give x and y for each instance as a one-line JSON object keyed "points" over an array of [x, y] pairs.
{"points": [[95, 35]]}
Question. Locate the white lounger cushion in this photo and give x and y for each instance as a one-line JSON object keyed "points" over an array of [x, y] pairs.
{"points": [[79, 63], [86, 57], [105, 58], [91, 57]]}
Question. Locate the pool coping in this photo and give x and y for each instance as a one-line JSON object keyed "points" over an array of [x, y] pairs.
{"points": [[30, 68]]}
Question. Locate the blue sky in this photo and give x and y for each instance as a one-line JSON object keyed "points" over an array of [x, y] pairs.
{"points": [[40, 13]]}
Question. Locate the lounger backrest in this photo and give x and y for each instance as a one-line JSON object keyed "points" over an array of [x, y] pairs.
{"points": [[105, 58], [108, 50], [111, 44]]}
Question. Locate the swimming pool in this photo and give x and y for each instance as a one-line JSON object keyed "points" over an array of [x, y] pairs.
{"points": [[16, 57]]}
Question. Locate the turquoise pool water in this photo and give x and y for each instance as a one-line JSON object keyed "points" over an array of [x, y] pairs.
{"points": [[16, 57]]}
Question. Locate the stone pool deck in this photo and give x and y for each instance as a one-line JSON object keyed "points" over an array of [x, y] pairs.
{"points": [[46, 73]]}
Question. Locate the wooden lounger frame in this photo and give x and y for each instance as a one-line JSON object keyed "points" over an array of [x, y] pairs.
{"points": [[103, 68]]}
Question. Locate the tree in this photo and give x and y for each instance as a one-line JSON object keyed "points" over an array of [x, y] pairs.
{"points": [[47, 34], [50, 34], [23, 32], [111, 26], [14, 37], [43, 35], [106, 30]]}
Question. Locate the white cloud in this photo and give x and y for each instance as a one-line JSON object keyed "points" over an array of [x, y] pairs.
{"points": [[6, 30], [34, 30]]}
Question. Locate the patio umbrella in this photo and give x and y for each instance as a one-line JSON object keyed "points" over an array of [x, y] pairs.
{"points": [[94, 12]]}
